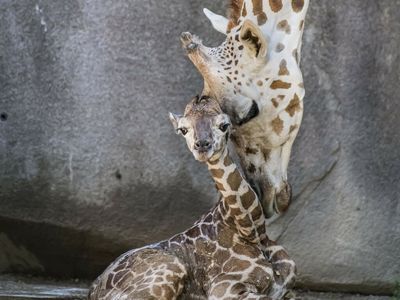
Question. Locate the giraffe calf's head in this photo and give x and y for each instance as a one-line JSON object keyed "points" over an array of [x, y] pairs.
{"points": [[204, 126]]}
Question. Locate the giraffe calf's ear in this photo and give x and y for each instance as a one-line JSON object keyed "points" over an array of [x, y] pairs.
{"points": [[220, 23], [253, 39], [174, 120]]}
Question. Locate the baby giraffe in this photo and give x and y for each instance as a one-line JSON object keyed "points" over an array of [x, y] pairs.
{"points": [[224, 255]]}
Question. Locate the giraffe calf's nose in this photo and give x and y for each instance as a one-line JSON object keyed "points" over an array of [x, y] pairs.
{"points": [[202, 145]]}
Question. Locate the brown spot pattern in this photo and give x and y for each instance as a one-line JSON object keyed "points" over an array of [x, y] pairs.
{"points": [[276, 5], [297, 5], [245, 222], [220, 186], [256, 213], [238, 288], [231, 200], [225, 237], [217, 173], [236, 265], [258, 12], [274, 102], [283, 68], [244, 10], [220, 289], [234, 180], [279, 84], [234, 10], [261, 276], [257, 7], [193, 232], [227, 161], [248, 198], [262, 18], [245, 250], [284, 26], [277, 125], [279, 47], [293, 106]]}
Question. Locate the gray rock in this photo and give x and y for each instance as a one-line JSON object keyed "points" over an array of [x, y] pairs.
{"points": [[18, 287], [91, 167], [331, 296]]}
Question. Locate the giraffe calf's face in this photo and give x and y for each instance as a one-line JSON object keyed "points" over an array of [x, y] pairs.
{"points": [[205, 128]]}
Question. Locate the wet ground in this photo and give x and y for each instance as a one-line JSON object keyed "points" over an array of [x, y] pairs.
{"points": [[15, 287]]}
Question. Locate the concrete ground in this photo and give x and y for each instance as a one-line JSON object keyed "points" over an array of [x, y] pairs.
{"points": [[14, 287]]}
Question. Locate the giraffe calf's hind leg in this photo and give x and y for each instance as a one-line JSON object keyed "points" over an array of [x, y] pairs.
{"points": [[143, 275]]}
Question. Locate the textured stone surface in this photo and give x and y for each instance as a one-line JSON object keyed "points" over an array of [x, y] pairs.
{"points": [[18, 287], [90, 166], [87, 147], [331, 296]]}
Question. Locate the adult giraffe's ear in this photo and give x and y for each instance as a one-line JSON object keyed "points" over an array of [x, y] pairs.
{"points": [[174, 120], [220, 23], [253, 39]]}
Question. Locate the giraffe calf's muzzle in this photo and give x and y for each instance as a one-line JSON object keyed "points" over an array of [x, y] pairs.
{"points": [[202, 145]]}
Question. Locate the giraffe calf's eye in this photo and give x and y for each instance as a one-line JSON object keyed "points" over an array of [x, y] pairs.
{"points": [[224, 127], [183, 130]]}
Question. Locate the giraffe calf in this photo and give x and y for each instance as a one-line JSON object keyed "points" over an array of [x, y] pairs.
{"points": [[224, 255]]}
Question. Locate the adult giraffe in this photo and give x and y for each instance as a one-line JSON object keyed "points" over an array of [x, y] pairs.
{"points": [[255, 76]]}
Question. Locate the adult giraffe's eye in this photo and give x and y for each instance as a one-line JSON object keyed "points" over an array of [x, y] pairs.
{"points": [[223, 127], [183, 130]]}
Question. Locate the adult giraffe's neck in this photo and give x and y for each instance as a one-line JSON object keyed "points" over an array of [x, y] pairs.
{"points": [[281, 21], [240, 204]]}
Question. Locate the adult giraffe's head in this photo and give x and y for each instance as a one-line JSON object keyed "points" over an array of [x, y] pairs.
{"points": [[227, 69], [263, 39], [204, 126]]}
